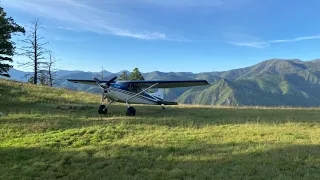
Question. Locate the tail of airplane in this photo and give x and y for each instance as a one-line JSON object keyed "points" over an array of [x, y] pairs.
{"points": [[159, 93]]}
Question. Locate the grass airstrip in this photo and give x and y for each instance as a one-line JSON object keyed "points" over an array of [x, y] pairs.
{"points": [[38, 140]]}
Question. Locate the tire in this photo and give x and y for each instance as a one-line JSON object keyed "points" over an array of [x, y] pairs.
{"points": [[131, 111], [102, 109]]}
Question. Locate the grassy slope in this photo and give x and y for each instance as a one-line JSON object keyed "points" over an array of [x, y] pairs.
{"points": [[184, 142]]}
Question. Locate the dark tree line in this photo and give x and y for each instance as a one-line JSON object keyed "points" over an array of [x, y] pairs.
{"points": [[134, 75]]}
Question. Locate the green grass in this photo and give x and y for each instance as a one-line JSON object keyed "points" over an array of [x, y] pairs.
{"points": [[39, 141]]}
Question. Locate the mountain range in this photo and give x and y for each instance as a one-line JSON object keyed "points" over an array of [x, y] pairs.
{"points": [[274, 82]]}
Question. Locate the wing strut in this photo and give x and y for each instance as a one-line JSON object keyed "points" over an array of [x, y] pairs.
{"points": [[140, 93]]}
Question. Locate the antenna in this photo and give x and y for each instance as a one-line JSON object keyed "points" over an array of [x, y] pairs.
{"points": [[102, 72]]}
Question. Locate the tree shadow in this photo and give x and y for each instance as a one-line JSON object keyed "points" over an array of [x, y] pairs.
{"points": [[203, 161]]}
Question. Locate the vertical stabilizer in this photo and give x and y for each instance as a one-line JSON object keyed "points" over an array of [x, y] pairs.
{"points": [[159, 93]]}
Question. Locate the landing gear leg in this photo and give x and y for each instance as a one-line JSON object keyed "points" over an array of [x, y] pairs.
{"points": [[163, 107]]}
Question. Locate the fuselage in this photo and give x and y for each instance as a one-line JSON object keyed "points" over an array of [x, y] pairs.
{"points": [[120, 93]]}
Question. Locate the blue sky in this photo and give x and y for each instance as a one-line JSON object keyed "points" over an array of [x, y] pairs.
{"points": [[167, 35]]}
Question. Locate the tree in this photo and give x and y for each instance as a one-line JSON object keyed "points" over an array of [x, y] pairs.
{"points": [[124, 76], [43, 78], [7, 47], [34, 49], [51, 71], [136, 75], [30, 80]]}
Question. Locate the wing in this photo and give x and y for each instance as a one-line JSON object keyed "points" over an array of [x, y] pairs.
{"points": [[169, 84], [91, 82]]}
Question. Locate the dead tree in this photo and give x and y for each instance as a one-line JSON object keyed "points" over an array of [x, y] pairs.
{"points": [[50, 67], [34, 49]]}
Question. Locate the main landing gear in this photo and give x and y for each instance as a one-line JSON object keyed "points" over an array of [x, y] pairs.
{"points": [[103, 109], [131, 111]]}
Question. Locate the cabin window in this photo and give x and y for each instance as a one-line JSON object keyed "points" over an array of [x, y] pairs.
{"points": [[152, 90], [134, 88]]}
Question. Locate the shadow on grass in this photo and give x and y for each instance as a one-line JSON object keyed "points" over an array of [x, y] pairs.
{"points": [[127, 162]]}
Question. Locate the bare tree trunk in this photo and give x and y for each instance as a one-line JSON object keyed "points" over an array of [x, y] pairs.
{"points": [[35, 76], [50, 68], [49, 71]]}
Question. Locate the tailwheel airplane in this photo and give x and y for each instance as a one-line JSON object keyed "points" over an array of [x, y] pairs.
{"points": [[136, 92]]}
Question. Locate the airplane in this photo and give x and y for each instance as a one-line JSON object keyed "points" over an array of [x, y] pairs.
{"points": [[136, 91]]}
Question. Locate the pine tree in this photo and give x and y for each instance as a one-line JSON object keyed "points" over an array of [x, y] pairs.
{"points": [[30, 80], [7, 47], [124, 76], [136, 75]]}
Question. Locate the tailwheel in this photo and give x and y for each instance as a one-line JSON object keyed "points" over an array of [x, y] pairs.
{"points": [[131, 111], [102, 109]]}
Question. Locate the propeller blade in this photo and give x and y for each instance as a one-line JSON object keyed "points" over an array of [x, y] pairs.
{"points": [[99, 84], [111, 81], [97, 80]]}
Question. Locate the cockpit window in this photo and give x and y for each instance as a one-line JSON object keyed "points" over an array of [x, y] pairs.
{"points": [[134, 88]]}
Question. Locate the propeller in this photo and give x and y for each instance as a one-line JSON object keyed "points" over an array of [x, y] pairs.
{"points": [[108, 83]]}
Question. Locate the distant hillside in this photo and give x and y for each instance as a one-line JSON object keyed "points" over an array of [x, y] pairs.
{"points": [[272, 83]]}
